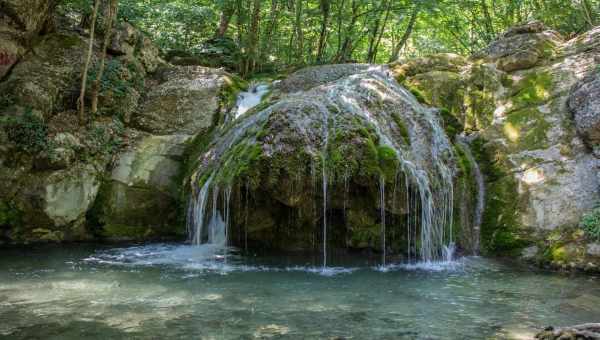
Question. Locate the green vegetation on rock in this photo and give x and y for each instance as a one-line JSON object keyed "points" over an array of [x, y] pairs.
{"points": [[590, 223]]}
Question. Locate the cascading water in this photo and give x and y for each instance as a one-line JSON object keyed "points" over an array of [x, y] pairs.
{"points": [[464, 142], [424, 160], [382, 212], [249, 99]]}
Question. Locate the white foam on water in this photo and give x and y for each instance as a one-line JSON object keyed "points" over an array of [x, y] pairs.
{"points": [[207, 257], [249, 99]]}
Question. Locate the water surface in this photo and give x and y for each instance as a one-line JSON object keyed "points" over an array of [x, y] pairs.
{"points": [[173, 291]]}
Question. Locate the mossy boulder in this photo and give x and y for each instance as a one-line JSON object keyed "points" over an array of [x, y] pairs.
{"points": [[46, 79], [188, 99], [522, 47], [584, 103], [325, 153], [445, 62], [51, 206], [143, 190], [130, 42], [20, 22]]}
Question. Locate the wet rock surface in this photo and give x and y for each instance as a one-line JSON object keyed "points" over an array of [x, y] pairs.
{"points": [[584, 103], [589, 331]]}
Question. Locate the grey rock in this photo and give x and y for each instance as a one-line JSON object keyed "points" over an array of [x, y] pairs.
{"points": [[593, 249], [584, 103], [185, 102]]}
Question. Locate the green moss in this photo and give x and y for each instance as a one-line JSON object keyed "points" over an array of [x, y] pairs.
{"points": [[420, 96], [534, 89], [558, 253], [388, 162], [229, 92], [113, 231], [241, 162], [451, 124], [527, 129], [401, 127], [501, 231], [10, 217], [480, 106]]}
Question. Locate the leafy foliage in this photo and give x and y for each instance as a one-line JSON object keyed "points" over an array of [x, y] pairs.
{"points": [[28, 131], [590, 223], [277, 34], [117, 78]]}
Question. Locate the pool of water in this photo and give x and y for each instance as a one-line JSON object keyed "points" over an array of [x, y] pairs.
{"points": [[171, 291]]}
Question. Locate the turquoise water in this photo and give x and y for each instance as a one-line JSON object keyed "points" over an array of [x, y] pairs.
{"points": [[171, 291]]}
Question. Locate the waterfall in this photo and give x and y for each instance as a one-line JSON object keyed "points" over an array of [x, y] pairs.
{"points": [[249, 99], [382, 212], [424, 156], [324, 216], [217, 223], [464, 142], [197, 213]]}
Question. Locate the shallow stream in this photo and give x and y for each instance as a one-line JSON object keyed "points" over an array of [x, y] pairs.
{"points": [[172, 291]]}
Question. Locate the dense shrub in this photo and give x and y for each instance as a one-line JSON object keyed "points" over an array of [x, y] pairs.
{"points": [[590, 223], [28, 131]]}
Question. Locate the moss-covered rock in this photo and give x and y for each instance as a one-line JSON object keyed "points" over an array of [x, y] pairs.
{"points": [[324, 157], [45, 79], [189, 99]]}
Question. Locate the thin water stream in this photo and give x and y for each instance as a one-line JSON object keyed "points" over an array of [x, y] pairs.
{"points": [[178, 291]]}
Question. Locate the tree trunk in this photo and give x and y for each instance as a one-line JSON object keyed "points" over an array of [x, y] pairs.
{"points": [[299, 33], [489, 24], [587, 13], [378, 31], [253, 37], [346, 47], [267, 41], [407, 33], [110, 19], [325, 11], [224, 19], [88, 60]]}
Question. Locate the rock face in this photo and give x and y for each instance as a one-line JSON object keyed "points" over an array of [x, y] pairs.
{"points": [[20, 21], [584, 102], [142, 197], [583, 331], [130, 42], [52, 167], [522, 47], [47, 77], [520, 94], [185, 101]]}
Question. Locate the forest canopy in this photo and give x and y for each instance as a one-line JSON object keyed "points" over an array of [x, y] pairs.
{"points": [[274, 35]]}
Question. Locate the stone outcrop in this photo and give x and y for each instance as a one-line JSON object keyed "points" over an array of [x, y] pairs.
{"points": [[20, 21], [129, 42], [142, 197], [45, 81], [186, 100], [51, 166], [584, 331], [520, 94], [584, 102], [322, 151]]}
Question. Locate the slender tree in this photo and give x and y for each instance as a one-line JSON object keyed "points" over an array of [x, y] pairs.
{"points": [[86, 67], [406, 35], [325, 6], [227, 11], [111, 15]]}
